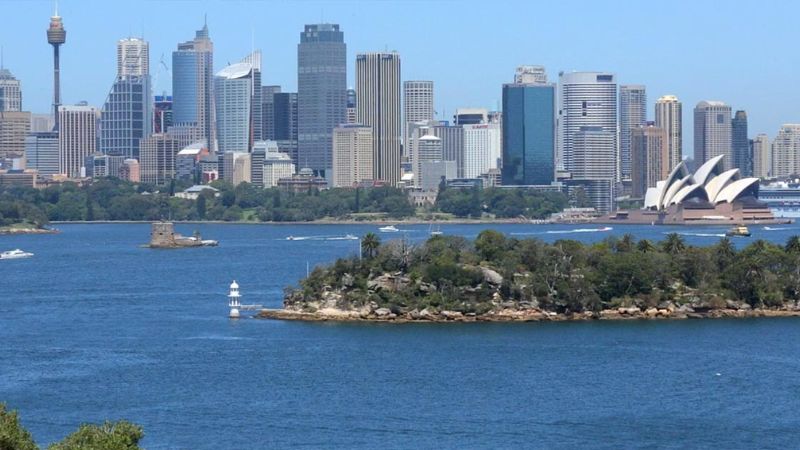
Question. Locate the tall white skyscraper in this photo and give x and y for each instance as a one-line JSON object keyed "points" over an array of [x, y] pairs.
{"points": [[483, 148], [378, 106], [786, 151], [632, 113], [77, 137], [233, 95], [594, 163], [712, 133], [762, 156], [669, 118], [586, 99], [417, 105], [133, 57]]}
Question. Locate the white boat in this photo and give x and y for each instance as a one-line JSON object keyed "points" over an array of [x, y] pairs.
{"points": [[15, 254], [389, 229], [435, 231]]}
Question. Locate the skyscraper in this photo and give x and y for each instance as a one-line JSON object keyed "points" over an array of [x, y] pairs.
{"points": [[157, 158], [41, 152], [786, 151], [256, 101], [529, 133], [740, 144], [56, 35], [10, 92], [712, 132], [192, 84], [321, 93], [594, 162], [632, 113], [417, 105], [285, 123], [669, 118], [378, 106], [162, 113], [452, 137], [762, 156], [649, 158], [351, 106], [352, 155], [233, 88], [587, 99], [77, 137], [126, 117]]}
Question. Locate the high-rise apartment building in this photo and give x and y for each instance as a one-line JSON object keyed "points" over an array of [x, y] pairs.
{"points": [[126, 117], [41, 152], [761, 150], [14, 127], [530, 75], [632, 113], [378, 106], [321, 94], [786, 151], [529, 133], [649, 158], [482, 148], [417, 105], [669, 118], [233, 92], [740, 144], [352, 155], [77, 137], [712, 132], [586, 99], [10, 92], [157, 158], [192, 85]]}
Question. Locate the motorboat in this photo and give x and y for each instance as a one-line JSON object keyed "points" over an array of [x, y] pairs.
{"points": [[741, 231], [15, 254], [389, 229]]}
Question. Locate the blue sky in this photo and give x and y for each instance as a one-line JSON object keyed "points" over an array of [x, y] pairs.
{"points": [[740, 52]]}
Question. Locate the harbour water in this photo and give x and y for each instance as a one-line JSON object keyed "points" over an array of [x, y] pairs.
{"points": [[95, 327]]}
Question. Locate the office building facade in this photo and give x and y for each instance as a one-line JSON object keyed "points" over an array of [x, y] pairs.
{"points": [[482, 148], [321, 93], [378, 106], [761, 150], [740, 144], [192, 84], [786, 151], [352, 155], [41, 152], [77, 137], [712, 133], [233, 92], [529, 134], [10, 92], [157, 158], [417, 104], [14, 127], [452, 137], [649, 158]]}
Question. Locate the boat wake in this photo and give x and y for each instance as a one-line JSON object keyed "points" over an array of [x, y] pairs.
{"points": [[697, 234], [778, 228], [579, 230], [347, 237]]}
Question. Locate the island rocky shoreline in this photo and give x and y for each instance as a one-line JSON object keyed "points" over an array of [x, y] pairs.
{"points": [[382, 315]]}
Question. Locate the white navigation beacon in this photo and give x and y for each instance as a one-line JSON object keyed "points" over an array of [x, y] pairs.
{"points": [[233, 300]]}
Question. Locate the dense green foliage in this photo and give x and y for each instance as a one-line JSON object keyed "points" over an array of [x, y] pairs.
{"points": [[565, 277], [112, 199], [504, 203], [120, 435]]}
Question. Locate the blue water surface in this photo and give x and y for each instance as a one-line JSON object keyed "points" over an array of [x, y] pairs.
{"points": [[94, 327]]}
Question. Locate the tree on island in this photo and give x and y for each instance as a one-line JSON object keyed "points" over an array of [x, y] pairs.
{"points": [[120, 435]]}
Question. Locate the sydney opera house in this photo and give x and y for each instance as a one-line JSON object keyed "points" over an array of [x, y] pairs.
{"points": [[710, 195]]}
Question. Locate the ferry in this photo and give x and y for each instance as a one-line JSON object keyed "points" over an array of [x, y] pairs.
{"points": [[15, 254], [389, 229], [738, 231]]}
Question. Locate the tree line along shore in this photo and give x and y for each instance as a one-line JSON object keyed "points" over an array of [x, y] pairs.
{"points": [[111, 199], [499, 278]]}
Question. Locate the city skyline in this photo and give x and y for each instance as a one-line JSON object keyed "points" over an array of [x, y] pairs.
{"points": [[680, 67]]}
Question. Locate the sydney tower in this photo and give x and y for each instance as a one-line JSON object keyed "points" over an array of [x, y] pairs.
{"points": [[56, 35]]}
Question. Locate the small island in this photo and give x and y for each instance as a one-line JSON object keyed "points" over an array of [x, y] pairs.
{"points": [[501, 279]]}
